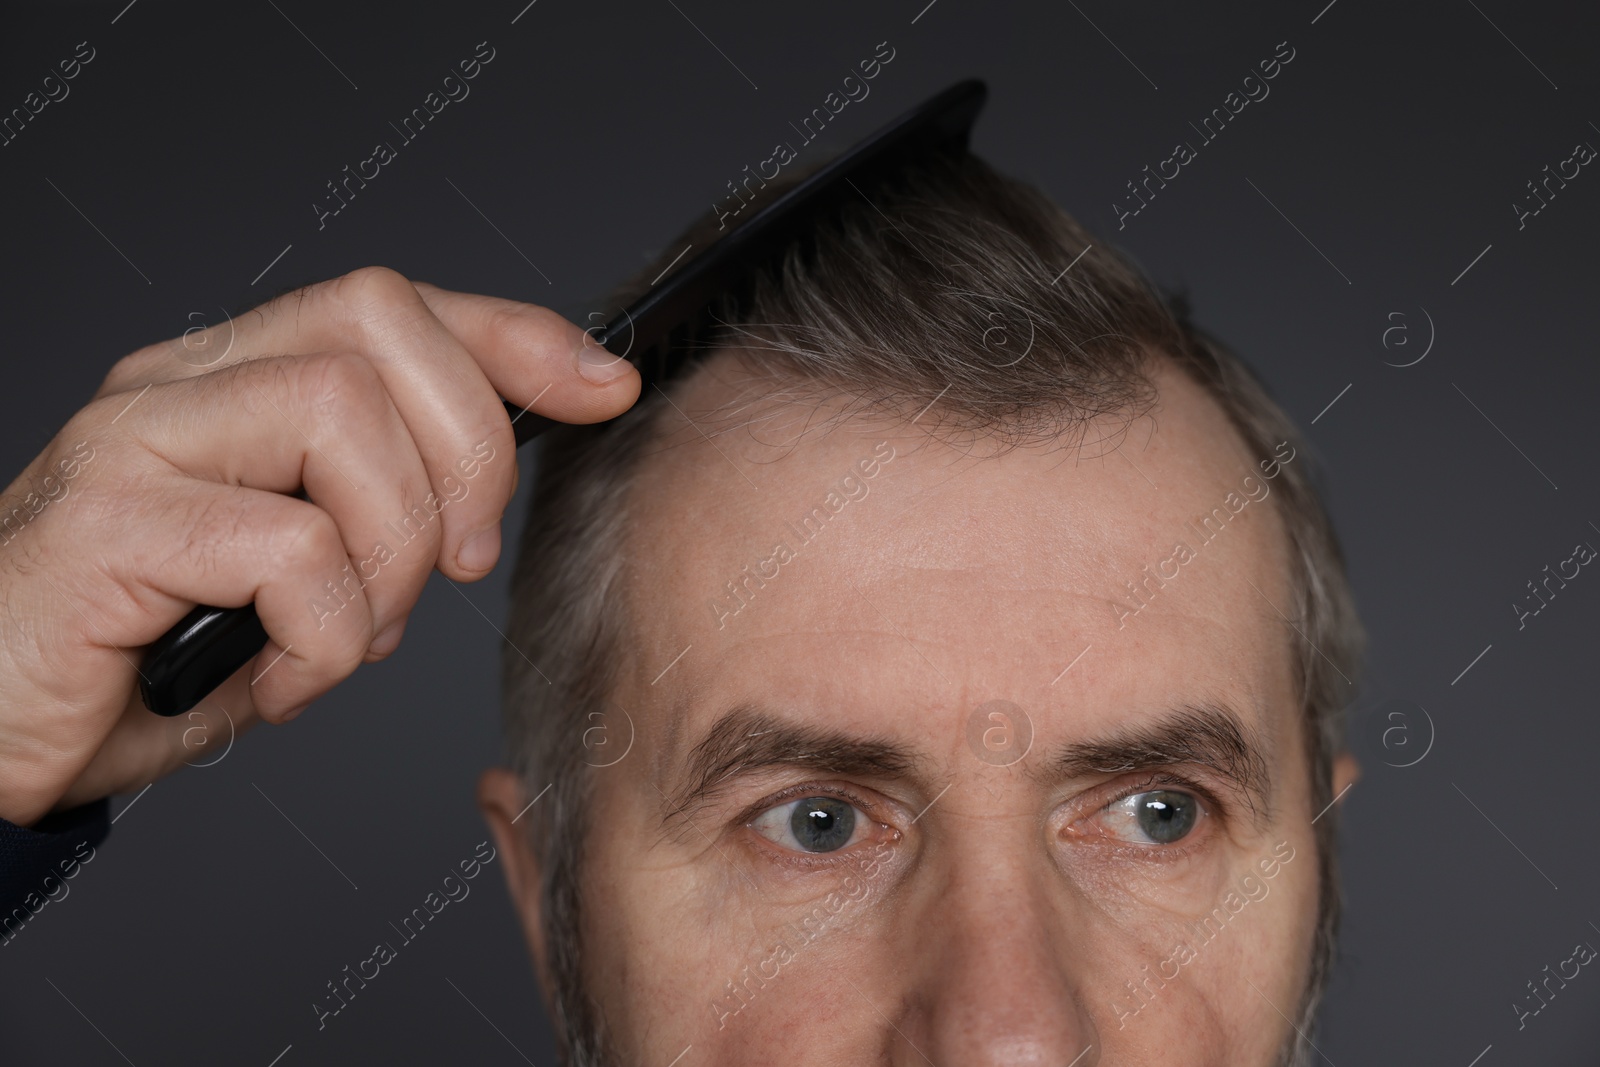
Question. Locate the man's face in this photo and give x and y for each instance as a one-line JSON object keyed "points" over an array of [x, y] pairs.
{"points": [[930, 783]]}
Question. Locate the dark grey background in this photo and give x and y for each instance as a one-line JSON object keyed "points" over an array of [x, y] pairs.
{"points": [[1396, 142]]}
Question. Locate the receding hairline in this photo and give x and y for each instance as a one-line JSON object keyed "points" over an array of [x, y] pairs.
{"points": [[733, 388]]}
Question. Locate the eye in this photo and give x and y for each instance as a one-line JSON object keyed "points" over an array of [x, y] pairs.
{"points": [[812, 824], [1158, 817]]}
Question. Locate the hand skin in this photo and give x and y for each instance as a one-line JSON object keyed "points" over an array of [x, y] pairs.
{"points": [[1004, 922], [368, 390]]}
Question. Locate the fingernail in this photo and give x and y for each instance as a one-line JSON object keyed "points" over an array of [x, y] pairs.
{"points": [[389, 640], [599, 366], [479, 551], [292, 713]]}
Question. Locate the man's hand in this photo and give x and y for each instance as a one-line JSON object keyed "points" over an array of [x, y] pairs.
{"points": [[379, 395]]}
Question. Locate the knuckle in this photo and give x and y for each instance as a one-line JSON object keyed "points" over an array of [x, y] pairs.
{"points": [[341, 652], [212, 523], [395, 565], [89, 421], [133, 369], [479, 439], [373, 290], [505, 322], [307, 535], [380, 307], [101, 418], [337, 383], [531, 326], [422, 516]]}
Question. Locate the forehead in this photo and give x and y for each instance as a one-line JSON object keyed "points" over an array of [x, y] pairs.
{"points": [[863, 574]]}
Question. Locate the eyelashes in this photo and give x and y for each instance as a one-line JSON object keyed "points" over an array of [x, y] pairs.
{"points": [[1158, 817], [815, 824], [1152, 816], [819, 824]]}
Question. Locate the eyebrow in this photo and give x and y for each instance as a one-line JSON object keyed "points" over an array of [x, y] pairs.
{"points": [[747, 739], [1205, 735]]}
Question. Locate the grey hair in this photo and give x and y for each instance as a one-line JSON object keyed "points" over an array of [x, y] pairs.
{"points": [[927, 289]]}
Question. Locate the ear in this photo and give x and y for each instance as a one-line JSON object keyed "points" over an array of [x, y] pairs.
{"points": [[502, 800], [1346, 772]]}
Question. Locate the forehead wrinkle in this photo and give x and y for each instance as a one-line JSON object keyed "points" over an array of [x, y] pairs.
{"points": [[748, 738], [1208, 735]]}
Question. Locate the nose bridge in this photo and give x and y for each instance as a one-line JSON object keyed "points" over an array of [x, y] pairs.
{"points": [[994, 983]]}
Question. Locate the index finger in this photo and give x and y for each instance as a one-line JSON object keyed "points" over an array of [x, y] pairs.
{"points": [[517, 346], [530, 355]]}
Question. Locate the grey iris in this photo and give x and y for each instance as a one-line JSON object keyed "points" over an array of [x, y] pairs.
{"points": [[1165, 816], [822, 824]]}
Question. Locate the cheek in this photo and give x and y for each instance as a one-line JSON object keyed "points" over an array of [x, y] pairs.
{"points": [[1181, 992], [1294, 904], [653, 946], [680, 951], [672, 946], [1178, 1026]]}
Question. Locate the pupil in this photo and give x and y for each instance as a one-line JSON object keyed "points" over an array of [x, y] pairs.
{"points": [[1165, 816], [822, 824]]}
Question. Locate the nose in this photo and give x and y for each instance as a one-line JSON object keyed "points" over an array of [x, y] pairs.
{"points": [[990, 983]]}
